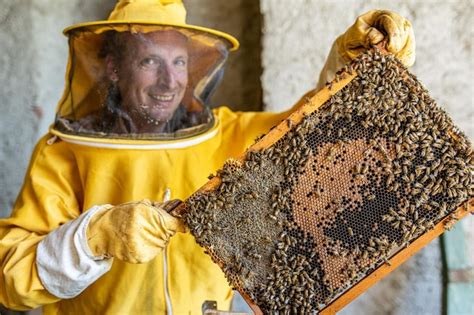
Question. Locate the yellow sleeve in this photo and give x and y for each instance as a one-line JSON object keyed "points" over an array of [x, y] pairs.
{"points": [[49, 198], [334, 62]]}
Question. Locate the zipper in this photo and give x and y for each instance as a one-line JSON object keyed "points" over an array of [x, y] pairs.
{"points": [[169, 309], [52, 140]]}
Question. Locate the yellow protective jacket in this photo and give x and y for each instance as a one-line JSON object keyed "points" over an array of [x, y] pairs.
{"points": [[65, 179]]}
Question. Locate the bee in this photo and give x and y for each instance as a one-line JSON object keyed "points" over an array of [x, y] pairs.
{"points": [[396, 224], [449, 224]]}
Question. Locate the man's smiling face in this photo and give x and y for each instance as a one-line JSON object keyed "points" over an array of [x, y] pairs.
{"points": [[153, 74]]}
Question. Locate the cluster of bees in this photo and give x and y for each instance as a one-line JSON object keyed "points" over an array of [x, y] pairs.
{"points": [[295, 225]]}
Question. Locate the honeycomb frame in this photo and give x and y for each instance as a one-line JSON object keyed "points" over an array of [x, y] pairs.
{"points": [[299, 246]]}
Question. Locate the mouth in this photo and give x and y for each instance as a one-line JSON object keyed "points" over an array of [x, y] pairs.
{"points": [[162, 98]]}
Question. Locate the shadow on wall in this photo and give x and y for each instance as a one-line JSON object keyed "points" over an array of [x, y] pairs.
{"points": [[241, 87]]}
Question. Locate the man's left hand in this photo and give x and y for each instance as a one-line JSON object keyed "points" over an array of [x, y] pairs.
{"points": [[375, 26]]}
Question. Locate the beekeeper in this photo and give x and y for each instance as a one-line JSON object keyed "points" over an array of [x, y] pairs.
{"points": [[134, 124]]}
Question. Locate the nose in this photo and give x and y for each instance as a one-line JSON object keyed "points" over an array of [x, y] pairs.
{"points": [[166, 78]]}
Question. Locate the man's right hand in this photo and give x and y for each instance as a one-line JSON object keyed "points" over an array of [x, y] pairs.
{"points": [[132, 232]]}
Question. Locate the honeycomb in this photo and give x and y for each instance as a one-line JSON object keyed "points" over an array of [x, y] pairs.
{"points": [[295, 225]]}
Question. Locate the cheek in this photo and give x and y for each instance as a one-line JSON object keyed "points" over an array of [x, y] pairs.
{"points": [[142, 79], [136, 82], [183, 78]]}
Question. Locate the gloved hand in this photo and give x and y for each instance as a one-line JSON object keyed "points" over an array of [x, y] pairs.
{"points": [[133, 232], [373, 27], [370, 29]]}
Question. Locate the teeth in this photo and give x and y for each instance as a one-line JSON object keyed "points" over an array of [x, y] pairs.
{"points": [[162, 97]]}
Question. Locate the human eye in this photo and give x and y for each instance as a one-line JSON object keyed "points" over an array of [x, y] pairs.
{"points": [[180, 62], [148, 62]]}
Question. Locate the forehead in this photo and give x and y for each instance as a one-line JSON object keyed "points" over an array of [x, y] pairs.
{"points": [[157, 39]]}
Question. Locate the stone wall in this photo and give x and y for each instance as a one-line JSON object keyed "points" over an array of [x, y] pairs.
{"points": [[33, 61]]}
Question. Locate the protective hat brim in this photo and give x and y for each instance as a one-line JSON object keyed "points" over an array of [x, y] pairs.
{"points": [[102, 26]]}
